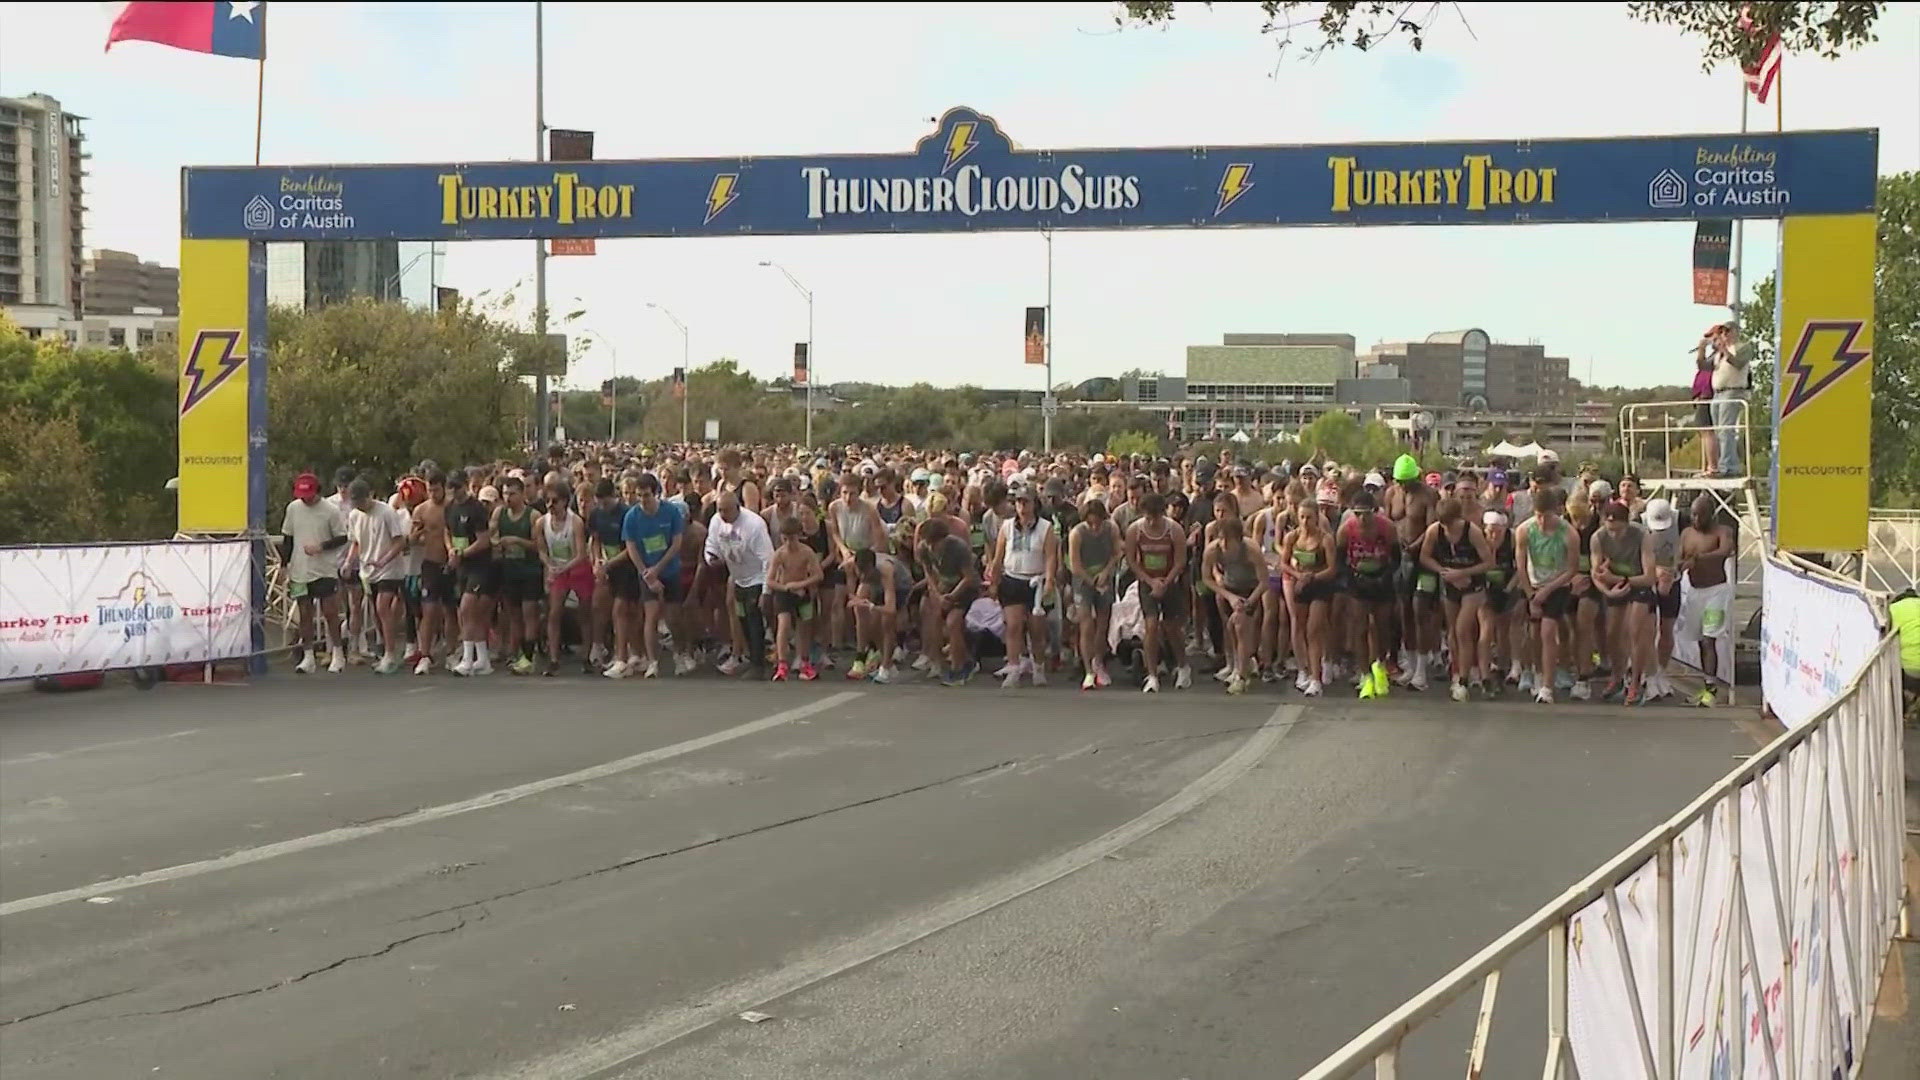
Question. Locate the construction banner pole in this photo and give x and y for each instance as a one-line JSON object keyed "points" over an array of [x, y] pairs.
{"points": [[542, 419], [1046, 413]]}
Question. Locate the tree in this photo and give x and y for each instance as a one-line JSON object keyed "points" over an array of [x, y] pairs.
{"points": [[1896, 343], [46, 480], [721, 391], [122, 410], [382, 387], [1133, 442], [1735, 30]]}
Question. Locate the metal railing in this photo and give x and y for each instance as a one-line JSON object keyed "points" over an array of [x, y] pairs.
{"points": [[1820, 810], [1669, 426]]}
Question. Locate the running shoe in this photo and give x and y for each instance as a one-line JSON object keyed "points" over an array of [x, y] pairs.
{"points": [[1100, 676], [424, 666], [859, 669], [780, 672], [1152, 685], [619, 669], [1381, 683], [1089, 682], [522, 665], [1183, 677], [338, 664], [306, 666], [1458, 691], [808, 672], [653, 669]]}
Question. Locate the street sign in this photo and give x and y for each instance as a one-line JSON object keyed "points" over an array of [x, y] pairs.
{"points": [[1049, 405]]}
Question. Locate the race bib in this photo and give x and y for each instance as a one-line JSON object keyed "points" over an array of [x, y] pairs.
{"points": [[1622, 569], [297, 590], [460, 543], [1367, 566], [611, 551], [653, 545], [1497, 577], [1427, 583], [1154, 560]]}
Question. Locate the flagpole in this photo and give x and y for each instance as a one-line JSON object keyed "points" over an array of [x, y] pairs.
{"points": [[260, 96], [1739, 231]]}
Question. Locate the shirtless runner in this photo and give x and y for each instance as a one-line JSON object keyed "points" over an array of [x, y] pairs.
{"points": [[438, 590], [1706, 612]]}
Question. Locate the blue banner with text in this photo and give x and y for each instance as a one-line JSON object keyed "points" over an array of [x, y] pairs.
{"points": [[967, 176]]}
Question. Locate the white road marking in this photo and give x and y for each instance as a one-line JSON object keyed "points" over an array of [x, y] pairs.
{"points": [[32, 759], [502, 797], [271, 779], [717, 1005]]}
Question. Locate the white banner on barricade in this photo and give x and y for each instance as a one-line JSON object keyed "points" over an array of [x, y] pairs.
{"points": [[1805, 894], [97, 608], [1815, 635]]}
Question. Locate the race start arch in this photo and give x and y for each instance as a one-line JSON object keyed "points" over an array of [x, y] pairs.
{"points": [[967, 176]]}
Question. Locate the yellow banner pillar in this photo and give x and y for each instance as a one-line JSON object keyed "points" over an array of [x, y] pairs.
{"points": [[1823, 383]]}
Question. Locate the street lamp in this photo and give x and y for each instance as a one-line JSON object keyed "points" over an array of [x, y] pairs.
{"points": [[808, 293], [613, 383], [389, 285], [685, 375]]}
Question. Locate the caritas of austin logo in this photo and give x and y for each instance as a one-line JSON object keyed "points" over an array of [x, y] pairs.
{"points": [[139, 605]]}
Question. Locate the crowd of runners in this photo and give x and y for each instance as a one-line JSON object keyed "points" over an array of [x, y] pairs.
{"points": [[783, 564]]}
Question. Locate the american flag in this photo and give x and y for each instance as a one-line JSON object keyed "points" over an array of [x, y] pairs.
{"points": [[1765, 71]]}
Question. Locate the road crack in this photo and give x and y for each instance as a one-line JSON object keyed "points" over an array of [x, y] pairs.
{"points": [[625, 864], [68, 1005], [1178, 738], [383, 950]]}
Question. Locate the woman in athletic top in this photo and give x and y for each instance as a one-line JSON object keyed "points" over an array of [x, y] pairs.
{"points": [[1500, 618], [1093, 558], [1307, 563], [561, 537], [1233, 566], [1025, 565], [1455, 556]]}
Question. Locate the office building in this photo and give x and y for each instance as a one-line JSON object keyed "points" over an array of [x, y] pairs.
{"points": [[42, 177], [118, 283], [319, 273], [1468, 368], [133, 331]]}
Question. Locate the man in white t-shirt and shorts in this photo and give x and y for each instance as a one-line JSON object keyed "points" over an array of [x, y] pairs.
{"points": [[313, 535]]}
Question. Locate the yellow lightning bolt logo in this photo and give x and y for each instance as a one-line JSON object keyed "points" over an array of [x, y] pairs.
{"points": [[960, 143], [725, 189], [1235, 182], [1813, 368]]}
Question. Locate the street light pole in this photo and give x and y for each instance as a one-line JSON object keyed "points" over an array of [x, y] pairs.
{"points": [[808, 293], [1046, 412], [542, 418], [686, 385]]}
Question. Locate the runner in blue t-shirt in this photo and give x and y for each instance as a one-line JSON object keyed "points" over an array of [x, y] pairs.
{"points": [[651, 532]]}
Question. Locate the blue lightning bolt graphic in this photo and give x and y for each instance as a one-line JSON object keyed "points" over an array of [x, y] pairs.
{"points": [[203, 378], [1815, 370]]}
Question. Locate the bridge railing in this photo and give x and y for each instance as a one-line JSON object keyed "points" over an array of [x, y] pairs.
{"points": [[1776, 893], [1652, 431]]}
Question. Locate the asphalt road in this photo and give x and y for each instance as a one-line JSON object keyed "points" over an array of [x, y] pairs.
{"points": [[361, 878]]}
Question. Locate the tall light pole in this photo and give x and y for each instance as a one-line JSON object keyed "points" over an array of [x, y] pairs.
{"points": [[613, 382], [686, 376], [808, 293], [541, 417], [392, 284], [1046, 408]]}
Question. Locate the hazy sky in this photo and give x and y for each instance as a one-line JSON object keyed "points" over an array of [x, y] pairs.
{"points": [[398, 82]]}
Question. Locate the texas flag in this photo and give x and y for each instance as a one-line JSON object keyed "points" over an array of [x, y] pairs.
{"points": [[220, 27]]}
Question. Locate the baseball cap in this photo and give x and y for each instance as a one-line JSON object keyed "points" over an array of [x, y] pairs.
{"points": [[1599, 491], [1548, 457], [920, 476], [1658, 515], [1374, 480], [1497, 477], [306, 486], [489, 494]]}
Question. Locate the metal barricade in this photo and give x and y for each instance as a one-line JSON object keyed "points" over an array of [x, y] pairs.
{"points": [[1891, 562], [1841, 840]]}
